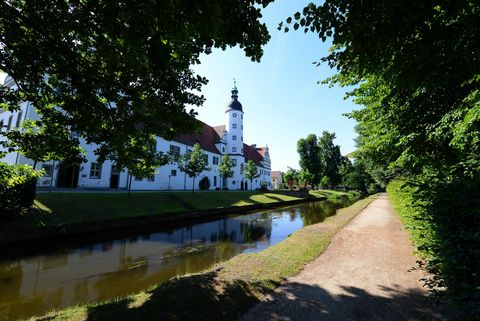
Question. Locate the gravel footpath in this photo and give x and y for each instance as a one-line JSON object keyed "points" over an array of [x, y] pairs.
{"points": [[367, 273]]}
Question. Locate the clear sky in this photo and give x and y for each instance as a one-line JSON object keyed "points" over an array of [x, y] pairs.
{"points": [[281, 98]]}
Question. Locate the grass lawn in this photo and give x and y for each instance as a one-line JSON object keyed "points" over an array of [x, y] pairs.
{"points": [[55, 208], [224, 291]]}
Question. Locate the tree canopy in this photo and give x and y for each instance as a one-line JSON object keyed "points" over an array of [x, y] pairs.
{"points": [[250, 172], [415, 69], [117, 73], [193, 163]]}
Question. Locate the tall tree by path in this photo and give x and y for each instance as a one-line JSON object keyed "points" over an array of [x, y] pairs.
{"points": [[308, 151]]}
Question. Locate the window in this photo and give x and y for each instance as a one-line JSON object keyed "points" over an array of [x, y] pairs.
{"points": [[241, 168], [215, 160], [173, 172], [223, 149], [48, 170], [1, 125], [151, 178], [234, 137], [234, 149], [206, 158], [234, 115], [242, 138], [174, 150], [19, 119], [234, 125], [241, 126], [242, 150], [214, 180], [234, 162], [95, 170], [154, 146], [242, 116], [138, 179], [9, 124]]}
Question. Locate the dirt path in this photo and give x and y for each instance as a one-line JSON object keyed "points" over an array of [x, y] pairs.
{"points": [[365, 274]]}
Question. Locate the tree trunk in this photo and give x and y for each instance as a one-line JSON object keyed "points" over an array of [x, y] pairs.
{"points": [[251, 185], [130, 184], [193, 185]]}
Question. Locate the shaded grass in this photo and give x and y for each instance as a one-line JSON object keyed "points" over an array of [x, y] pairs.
{"points": [[224, 291], [56, 208]]}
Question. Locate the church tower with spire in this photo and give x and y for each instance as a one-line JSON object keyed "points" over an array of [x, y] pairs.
{"points": [[234, 137]]}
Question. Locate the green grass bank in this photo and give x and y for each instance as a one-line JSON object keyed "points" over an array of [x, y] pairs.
{"points": [[224, 291]]}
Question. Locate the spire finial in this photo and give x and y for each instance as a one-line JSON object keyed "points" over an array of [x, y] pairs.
{"points": [[234, 89]]}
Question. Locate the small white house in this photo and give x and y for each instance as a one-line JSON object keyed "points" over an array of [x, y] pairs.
{"points": [[215, 141]]}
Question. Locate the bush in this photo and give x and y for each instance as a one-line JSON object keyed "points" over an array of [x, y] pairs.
{"points": [[17, 189], [204, 184], [443, 216]]}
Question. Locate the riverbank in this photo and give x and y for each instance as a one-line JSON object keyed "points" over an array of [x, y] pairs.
{"points": [[59, 215], [227, 289]]}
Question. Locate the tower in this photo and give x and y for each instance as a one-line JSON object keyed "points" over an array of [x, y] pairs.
{"points": [[234, 137]]}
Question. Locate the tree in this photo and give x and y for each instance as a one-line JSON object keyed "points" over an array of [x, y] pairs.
{"points": [[225, 168], [250, 172], [325, 182], [414, 69], [305, 178], [308, 150], [330, 157], [117, 73], [291, 177], [193, 163]]}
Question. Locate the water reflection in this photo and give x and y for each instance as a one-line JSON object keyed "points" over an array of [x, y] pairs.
{"points": [[99, 271]]}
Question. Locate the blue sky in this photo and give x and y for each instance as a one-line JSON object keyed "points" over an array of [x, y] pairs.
{"points": [[281, 99]]}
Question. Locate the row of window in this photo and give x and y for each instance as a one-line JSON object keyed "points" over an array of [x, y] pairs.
{"points": [[234, 137], [234, 150], [235, 115], [235, 126], [8, 126]]}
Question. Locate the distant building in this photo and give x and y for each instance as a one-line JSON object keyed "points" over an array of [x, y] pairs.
{"points": [[277, 181], [215, 141]]}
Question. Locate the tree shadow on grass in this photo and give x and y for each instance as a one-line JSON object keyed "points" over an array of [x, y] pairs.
{"points": [[206, 297], [197, 297]]}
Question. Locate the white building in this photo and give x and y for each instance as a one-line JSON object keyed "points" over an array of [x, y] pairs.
{"points": [[215, 141]]}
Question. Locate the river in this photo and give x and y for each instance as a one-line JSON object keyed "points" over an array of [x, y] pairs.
{"points": [[39, 278]]}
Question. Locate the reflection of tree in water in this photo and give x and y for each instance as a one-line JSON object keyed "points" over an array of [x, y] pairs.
{"points": [[11, 276], [253, 231], [316, 212], [117, 283]]}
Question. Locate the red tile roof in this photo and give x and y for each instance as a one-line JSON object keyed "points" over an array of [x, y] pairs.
{"points": [[219, 129], [251, 153], [207, 137], [276, 174]]}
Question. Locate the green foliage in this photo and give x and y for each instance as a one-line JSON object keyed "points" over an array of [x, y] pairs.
{"points": [[320, 157], [330, 157], [325, 182], [308, 151], [305, 178], [442, 216], [250, 172], [17, 189], [225, 167], [414, 68], [193, 163], [204, 184], [291, 177], [117, 73]]}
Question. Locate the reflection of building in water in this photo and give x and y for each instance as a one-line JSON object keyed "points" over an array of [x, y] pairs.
{"points": [[105, 270]]}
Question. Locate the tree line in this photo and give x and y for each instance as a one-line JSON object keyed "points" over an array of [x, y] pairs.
{"points": [[322, 165]]}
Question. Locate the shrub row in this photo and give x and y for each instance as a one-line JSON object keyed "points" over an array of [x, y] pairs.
{"points": [[443, 217], [17, 189]]}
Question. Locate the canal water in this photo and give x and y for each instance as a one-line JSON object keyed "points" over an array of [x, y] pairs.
{"points": [[34, 281]]}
